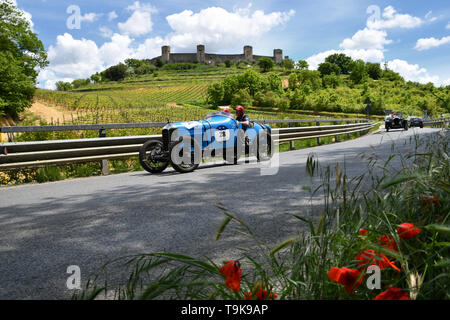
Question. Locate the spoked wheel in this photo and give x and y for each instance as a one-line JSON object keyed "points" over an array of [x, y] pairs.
{"points": [[178, 159], [151, 157], [264, 143]]}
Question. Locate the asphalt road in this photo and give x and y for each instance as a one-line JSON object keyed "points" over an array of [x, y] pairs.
{"points": [[44, 228]]}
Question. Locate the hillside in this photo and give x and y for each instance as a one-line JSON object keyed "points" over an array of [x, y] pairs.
{"points": [[190, 91]]}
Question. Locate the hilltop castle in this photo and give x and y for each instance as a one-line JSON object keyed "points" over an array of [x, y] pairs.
{"points": [[209, 58]]}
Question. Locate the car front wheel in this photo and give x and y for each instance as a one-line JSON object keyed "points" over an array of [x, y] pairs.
{"points": [[181, 162]]}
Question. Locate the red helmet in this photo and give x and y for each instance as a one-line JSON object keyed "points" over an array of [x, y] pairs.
{"points": [[226, 110], [239, 108]]}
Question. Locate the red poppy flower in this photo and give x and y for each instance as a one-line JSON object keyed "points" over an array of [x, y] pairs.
{"points": [[370, 257], [407, 230], [232, 271], [393, 294], [260, 295], [349, 278], [388, 242], [430, 201], [363, 232]]}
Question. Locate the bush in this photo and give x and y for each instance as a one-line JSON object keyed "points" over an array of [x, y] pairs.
{"points": [[327, 68], [266, 64], [331, 81], [116, 73], [216, 94], [359, 72], [243, 98], [343, 61]]}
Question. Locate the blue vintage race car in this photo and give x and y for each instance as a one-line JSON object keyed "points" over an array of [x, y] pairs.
{"points": [[185, 144]]}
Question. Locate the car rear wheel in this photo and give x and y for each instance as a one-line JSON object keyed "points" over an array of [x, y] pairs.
{"points": [[179, 161], [264, 144], [151, 158]]}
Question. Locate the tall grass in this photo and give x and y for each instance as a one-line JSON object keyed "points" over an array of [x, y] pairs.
{"points": [[391, 192]]}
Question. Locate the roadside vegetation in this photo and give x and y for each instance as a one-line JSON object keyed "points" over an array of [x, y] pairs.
{"points": [[394, 219]]}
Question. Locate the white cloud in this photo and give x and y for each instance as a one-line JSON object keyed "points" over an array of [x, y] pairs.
{"points": [[428, 43], [75, 59], [140, 22], [391, 19], [117, 50], [412, 72], [366, 39], [429, 17], [217, 27], [90, 17], [105, 32], [447, 26], [112, 15]]}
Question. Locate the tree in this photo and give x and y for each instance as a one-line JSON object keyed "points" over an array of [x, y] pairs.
{"points": [[327, 68], [96, 78], [216, 93], [63, 86], [159, 63], [21, 55], [288, 64], [310, 76], [134, 63], [390, 75], [274, 83], [80, 83], [342, 61], [243, 98], [359, 73], [116, 73], [374, 70], [302, 65], [331, 81], [266, 64]]}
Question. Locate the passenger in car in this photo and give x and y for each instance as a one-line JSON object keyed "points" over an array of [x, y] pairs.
{"points": [[242, 118]]}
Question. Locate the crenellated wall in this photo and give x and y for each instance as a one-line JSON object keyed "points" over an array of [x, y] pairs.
{"points": [[210, 58]]}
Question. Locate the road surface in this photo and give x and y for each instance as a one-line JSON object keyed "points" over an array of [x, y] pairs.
{"points": [[44, 228]]}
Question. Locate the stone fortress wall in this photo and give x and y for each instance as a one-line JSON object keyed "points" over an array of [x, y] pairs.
{"points": [[209, 58]]}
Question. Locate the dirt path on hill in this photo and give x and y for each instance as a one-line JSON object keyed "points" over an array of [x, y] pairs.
{"points": [[51, 113]]}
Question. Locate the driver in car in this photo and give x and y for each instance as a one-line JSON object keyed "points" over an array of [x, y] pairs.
{"points": [[242, 118]]}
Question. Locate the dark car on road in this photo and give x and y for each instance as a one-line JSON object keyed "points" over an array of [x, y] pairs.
{"points": [[415, 122], [395, 121]]}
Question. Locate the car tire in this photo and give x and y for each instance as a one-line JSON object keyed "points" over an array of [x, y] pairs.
{"points": [[144, 157], [268, 156], [184, 167]]}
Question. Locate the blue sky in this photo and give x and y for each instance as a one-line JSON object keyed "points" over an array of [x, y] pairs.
{"points": [[413, 37]]}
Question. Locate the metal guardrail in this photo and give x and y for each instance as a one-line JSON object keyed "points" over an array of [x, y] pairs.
{"points": [[58, 152], [437, 122]]}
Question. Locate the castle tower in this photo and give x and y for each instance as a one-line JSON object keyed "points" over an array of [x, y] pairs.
{"points": [[201, 53], [248, 53], [165, 56], [278, 55]]}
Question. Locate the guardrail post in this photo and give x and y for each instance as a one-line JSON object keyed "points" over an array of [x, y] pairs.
{"points": [[291, 143], [348, 134], [336, 137], [103, 163], [318, 139]]}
